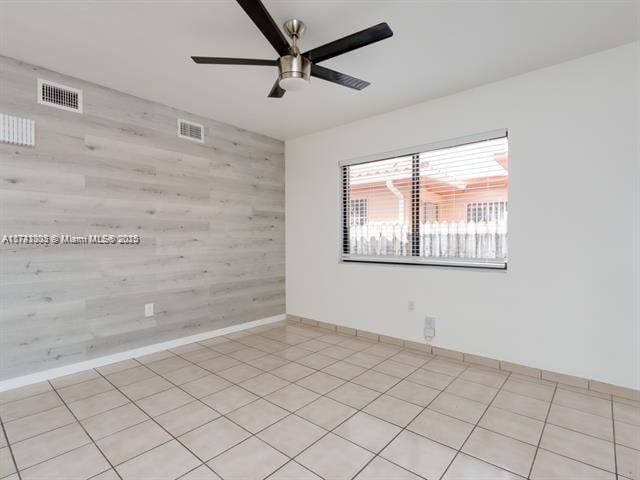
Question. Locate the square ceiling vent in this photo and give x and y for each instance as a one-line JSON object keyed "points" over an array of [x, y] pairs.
{"points": [[190, 131], [59, 96]]}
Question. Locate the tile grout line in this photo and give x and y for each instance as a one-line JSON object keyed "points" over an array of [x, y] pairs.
{"points": [[86, 433], [613, 432], [544, 426], [459, 450], [13, 458]]}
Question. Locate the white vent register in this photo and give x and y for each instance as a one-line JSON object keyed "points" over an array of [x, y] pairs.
{"points": [[190, 131], [59, 96], [17, 131]]}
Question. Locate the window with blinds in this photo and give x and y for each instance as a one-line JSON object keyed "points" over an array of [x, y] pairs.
{"points": [[442, 204]]}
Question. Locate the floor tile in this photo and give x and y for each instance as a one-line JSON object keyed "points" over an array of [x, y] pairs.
{"points": [[112, 421], [268, 362], [48, 445], [203, 472], [419, 455], [246, 354], [580, 421], [382, 350], [292, 371], [292, 353], [430, 379], [550, 466], [169, 461], [213, 438], [264, 384], [78, 464], [393, 410], [186, 418], [314, 345], [292, 397], [6, 463], [512, 425], [186, 374], [117, 367], [367, 431], [529, 389], [413, 393], [233, 464], [239, 373], [146, 388], [365, 360], [29, 405], [22, 393], [344, 370], [42, 422], [578, 446], [485, 376], [458, 407], [584, 403], [74, 378], [628, 462], [376, 380], [414, 359], [334, 458], [102, 402], [164, 401], [326, 413], [291, 435], [229, 399], [218, 364], [257, 415], [154, 357], [627, 435], [522, 405], [227, 347], [337, 352], [205, 386], [465, 467], [133, 441], [353, 395], [381, 469], [162, 367], [357, 344], [446, 365], [131, 375], [395, 369], [626, 413], [293, 471], [501, 451], [200, 355], [316, 360], [472, 391], [441, 428], [320, 382]]}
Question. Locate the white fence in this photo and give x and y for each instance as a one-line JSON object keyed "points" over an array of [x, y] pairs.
{"points": [[437, 239]]}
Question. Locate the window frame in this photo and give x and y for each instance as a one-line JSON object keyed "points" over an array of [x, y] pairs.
{"points": [[411, 260]]}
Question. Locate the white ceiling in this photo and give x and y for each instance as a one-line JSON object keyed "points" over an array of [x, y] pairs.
{"points": [[439, 47]]}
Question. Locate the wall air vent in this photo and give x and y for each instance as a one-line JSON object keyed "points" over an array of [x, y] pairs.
{"points": [[190, 131], [59, 96], [17, 131]]}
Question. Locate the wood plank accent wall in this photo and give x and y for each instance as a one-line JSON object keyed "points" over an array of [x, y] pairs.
{"points": [[210, 217]]}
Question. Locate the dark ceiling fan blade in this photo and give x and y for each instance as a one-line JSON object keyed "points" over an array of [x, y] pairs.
{"points": [[337, 77], [234, 61], [351, 42], [258, 13], [276, 90]]}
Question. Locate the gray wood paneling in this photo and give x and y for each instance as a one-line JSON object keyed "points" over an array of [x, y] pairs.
{"points": [[211, 219]]}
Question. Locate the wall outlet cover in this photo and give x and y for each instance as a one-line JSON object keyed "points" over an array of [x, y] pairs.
{"points": [[148, 310]]}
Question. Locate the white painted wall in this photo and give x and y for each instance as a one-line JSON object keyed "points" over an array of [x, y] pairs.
{"points": [[569, 300]]}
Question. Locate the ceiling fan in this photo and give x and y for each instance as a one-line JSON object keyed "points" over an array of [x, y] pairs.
{"points": [[295, 68]]}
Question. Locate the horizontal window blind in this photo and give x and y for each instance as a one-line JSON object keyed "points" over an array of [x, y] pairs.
{"points": [[441, 206]]}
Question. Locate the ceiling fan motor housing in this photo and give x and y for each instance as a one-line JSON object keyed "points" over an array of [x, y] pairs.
{"points": [[294, 66]]}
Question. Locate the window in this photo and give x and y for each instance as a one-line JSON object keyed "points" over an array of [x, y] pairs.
{"points": [[442, 204], [359, 209]]}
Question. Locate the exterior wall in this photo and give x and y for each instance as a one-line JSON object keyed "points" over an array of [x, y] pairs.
{"points": [[569, 300], [210, 216]]}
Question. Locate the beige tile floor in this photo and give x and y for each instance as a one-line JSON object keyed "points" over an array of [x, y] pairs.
{"points": [[296, 402]]}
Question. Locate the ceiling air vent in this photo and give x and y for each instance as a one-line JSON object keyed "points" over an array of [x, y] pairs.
{"points": [[59, 96], [190, 131]]}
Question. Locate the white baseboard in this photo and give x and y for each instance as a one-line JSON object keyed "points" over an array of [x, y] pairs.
{"points": [[137, 352]]}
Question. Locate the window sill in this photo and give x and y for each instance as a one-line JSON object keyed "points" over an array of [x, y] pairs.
{"points": [[493, 263]]}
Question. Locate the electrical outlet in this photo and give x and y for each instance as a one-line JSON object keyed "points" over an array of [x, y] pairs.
{"points": [[429, 327], [148, 309], [411, 306]]}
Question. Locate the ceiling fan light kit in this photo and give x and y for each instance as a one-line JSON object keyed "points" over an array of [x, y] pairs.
{"points": [[295, 69]]}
